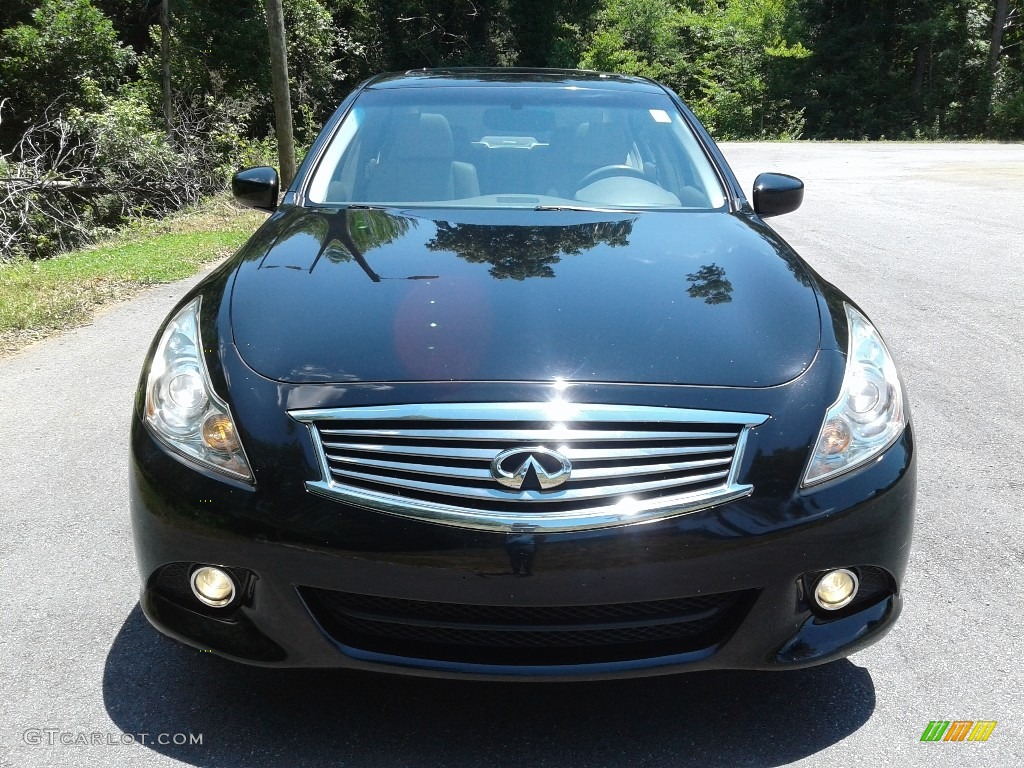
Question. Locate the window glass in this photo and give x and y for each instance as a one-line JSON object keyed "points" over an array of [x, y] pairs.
{"points": [[517, 147]]}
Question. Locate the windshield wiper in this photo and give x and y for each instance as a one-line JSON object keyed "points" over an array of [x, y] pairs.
{"points": [[584, 208]]}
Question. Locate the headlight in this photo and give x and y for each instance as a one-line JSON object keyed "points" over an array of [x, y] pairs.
{"points": [[182, 410], [870, 413]]}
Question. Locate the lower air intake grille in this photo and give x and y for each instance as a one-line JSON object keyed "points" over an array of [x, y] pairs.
{"points": [[526, 635]]}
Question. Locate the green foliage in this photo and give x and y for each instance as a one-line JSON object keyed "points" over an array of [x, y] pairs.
{"points": [[312, 38], [405, 34], [219, 48], [741, 55], [85, 173], [129, 148], [908, 69], [1008, 112], [81, 79], [542, 33], [38, 297], [636, 37], [68, 56], [220, 63], [14, 12], [726, 58]]}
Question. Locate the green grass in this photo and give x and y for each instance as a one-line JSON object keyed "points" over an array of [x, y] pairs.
{"points": [[39, 298]]}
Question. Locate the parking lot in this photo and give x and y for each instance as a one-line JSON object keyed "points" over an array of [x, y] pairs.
{"points": [[927, 238]]}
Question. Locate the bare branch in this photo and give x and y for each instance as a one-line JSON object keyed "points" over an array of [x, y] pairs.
{"points": [[65, 182]]}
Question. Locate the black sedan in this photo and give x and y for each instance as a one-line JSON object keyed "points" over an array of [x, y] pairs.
{"points": [[515, 382]]}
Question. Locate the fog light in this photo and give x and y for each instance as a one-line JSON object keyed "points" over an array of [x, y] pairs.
{"points": [[213, 586], [836, 589]]}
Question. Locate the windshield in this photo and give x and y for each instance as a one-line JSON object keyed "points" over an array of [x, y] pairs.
{"points": [[515, 147]]}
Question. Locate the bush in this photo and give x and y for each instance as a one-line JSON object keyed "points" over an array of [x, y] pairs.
{"points": [[74, 177], [69, 44], [1008, 112]]}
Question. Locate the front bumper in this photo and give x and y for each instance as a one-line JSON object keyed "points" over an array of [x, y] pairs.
{"points": [[733, 577]]}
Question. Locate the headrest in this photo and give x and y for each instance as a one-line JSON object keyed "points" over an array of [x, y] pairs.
{"points": [[600, 144], [423, 137]]}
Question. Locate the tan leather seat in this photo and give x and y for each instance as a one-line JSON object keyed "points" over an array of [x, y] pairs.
{"points": [[420, 166]]}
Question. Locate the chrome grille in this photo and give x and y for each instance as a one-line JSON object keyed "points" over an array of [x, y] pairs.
{"points": [[433, 462]]}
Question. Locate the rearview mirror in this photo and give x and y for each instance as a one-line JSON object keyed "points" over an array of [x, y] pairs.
{"points": [[777, 193], [256, 188]]}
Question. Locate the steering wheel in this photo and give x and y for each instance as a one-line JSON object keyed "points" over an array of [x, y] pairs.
{"points": [[609, 171]]}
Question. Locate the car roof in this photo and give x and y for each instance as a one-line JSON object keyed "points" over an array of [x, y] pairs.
{"points": [[511, 76]]}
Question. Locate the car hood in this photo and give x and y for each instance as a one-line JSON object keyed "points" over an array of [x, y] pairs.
{"points": [[324, 295]]}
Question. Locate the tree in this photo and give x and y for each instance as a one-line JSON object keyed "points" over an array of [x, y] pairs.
{"points": [[1003, 19], [999, 20], [68, 53], [541, 29], [710, 283], [724, 57], [282, 95], [519, 253], [741, 52], [15, 12], [165, 65], [74, 176], [637, 37]]}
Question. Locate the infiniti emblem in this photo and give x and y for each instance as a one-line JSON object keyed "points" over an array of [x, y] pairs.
{"points": [[534, 468]]}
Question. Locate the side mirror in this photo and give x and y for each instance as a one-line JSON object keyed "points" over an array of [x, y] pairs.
{"points": [[256, 188], [777, 193]]}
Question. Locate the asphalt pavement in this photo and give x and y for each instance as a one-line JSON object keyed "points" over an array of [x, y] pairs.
{"points": [[927, 238]]}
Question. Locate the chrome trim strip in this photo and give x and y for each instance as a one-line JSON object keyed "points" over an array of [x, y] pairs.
{"points": [[599, 454], [522, 435], [499, 494], [741, 444], [486, 454], [474, 473], [551, 411], [625, 511], [457, 473], [599, 473], [609, 516]]}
